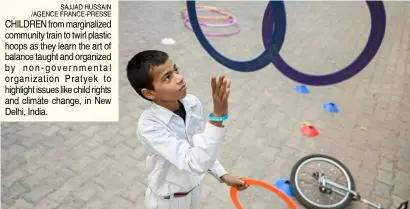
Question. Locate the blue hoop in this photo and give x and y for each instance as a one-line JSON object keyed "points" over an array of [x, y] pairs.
{"points": [[271, 51]]}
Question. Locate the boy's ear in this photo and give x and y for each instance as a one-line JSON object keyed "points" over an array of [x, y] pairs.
{"points": [[149, 94]]}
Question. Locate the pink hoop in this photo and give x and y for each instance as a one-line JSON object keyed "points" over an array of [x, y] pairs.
{"points": [[232, 19], [228, 22]]}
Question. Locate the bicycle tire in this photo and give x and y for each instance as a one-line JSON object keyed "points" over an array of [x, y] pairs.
{"points": [[306, 203]]}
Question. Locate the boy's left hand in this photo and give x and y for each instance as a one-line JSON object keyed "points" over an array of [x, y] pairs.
{"points": [[234, 181]]}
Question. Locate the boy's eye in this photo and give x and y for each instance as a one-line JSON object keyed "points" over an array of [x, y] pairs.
{"points": [[169, 76]]}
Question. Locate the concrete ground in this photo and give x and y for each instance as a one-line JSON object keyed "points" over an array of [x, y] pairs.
{"points": [[101, 165]]}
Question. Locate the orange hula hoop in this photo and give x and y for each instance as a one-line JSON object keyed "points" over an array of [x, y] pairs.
{"points": [[254, 182]]}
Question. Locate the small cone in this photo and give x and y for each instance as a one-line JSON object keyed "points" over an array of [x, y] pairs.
{"points": [[302, 89], [306, 123], [309, 131], [363, 128], [331, 107], [284, 186]]}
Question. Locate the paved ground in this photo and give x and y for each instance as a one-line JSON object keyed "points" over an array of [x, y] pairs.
{"points": [[100, 165]]}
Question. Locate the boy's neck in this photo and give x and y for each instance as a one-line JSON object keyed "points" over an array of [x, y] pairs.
{"points": [[172, 106]]}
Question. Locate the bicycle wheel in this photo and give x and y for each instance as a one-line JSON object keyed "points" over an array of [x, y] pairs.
{"points": [[329, 197]]}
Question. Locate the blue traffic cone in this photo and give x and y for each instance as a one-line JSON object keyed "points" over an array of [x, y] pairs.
{"points": [[284, 186], [302, 89], [331, 107]]}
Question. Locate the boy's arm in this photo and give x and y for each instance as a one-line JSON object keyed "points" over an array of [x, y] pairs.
{"points": [[197, 159], [217, 171]]}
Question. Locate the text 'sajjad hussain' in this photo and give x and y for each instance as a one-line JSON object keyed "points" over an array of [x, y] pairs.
{"points": [[77, 10]]}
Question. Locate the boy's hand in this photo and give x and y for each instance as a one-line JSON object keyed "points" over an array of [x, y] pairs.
{"points": [[220, 94], [234, 181]]}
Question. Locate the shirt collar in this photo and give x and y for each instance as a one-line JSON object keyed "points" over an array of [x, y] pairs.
{"points": [[165, 115]]}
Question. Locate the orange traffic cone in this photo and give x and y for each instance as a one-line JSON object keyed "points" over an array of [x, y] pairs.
{"points": [[309, 130]]}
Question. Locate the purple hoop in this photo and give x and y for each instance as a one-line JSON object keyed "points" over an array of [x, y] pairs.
{"points": [[214, 34]]}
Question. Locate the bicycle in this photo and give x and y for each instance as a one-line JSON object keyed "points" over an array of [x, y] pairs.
{"points": [[327, 187]]}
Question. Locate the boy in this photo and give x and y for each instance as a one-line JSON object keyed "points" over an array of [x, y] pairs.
{"points": [[180, 149]]}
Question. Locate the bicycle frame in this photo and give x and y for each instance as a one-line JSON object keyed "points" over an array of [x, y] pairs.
{"points": [[324, 182]]}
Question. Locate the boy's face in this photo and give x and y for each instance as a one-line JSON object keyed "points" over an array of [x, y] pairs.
{"points": [[169, 85]]}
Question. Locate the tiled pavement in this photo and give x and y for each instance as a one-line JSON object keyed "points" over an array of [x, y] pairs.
{"points": [[100, 165]]}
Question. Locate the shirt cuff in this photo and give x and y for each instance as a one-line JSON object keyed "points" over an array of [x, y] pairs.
{"points": [[214, 133], [218, 171]]}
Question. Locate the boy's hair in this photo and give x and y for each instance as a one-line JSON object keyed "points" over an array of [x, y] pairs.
{"points": [[139, 69]]}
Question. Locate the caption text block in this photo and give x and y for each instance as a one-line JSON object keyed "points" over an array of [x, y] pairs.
{"points": [[60, 61]]}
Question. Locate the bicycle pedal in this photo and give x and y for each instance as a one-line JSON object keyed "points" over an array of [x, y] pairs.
{"points": [[356, 197], [404, 204]]}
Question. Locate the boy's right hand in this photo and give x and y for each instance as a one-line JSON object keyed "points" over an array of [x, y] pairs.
{"points": [[220, 94]]}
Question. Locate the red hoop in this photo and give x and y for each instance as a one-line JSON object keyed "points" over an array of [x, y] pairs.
{"points": [[254, 182]]}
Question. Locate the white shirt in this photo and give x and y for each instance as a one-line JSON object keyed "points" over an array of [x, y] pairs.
{"points": [[179, 155]]}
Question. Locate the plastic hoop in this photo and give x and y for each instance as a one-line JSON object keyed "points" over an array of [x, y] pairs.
{"points": [[374, 41], [265, 58], [238, 29], [227, 22], [234, 193], [227, 15]]}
